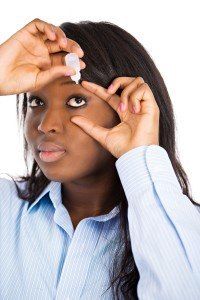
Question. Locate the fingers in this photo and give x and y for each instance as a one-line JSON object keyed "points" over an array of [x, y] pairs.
{"points": [[119, 82], [129, 84], [144, 93], [97, 132], [55, 48], [130, 96], [129, 88], [38, 25], [63, 43], [135, 90], [99, 91], [56, 34], [73, 46]]}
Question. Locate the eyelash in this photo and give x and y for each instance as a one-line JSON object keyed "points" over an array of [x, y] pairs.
{"points": [[31, 98]]}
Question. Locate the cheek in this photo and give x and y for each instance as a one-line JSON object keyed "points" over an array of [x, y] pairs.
{"points": [[30, 132]]}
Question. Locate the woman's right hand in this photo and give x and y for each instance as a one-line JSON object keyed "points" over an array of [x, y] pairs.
{"points": [[26, 57]]}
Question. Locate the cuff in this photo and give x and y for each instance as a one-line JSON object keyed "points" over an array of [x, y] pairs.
{"points": [[145, 165]]}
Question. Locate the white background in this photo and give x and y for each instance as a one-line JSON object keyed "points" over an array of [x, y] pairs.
{"points": [[169, 30]]}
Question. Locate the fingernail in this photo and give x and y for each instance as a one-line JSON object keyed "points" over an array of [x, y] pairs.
{"points": [[69, 73], [122, 107], [110, 88]]}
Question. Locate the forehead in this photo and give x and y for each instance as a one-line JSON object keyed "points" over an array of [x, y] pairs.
{"points": [[61, 83]]}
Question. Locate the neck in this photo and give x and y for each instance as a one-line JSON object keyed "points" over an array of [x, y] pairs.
{"points": [[91, 196]]}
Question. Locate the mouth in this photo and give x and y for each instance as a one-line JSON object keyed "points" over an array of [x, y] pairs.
{"points": [[51, 156]]}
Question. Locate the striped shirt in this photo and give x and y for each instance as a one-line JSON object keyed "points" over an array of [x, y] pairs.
{"points": [[43, 257]]}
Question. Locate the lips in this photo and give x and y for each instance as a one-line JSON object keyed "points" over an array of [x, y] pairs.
{"points": [[49, 146], [51, 156]]}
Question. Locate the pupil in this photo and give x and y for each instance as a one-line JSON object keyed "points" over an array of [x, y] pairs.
{"points": [[79, 100]]}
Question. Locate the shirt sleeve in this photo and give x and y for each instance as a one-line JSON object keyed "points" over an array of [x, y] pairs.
{"points": [[164, 226]]}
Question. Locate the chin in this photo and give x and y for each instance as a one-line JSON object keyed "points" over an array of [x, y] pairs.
{"points": [[66, 169], [60, 174]]}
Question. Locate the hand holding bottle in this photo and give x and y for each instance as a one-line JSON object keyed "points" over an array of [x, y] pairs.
{"points": [[26, 57]]}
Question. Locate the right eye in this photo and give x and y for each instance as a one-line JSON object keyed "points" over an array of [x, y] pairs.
{"points": [[31, 99]]}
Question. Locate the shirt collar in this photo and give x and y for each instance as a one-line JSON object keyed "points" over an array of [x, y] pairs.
{"points": [[53, 189]]}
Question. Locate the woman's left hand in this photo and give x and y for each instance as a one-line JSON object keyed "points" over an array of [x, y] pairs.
{"points": [[136, 128]]}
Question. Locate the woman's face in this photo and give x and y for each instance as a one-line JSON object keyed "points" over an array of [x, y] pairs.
{"points": [[49, 119]]}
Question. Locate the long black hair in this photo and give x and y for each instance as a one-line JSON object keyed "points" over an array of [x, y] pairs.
{"points": [[111, 52]]}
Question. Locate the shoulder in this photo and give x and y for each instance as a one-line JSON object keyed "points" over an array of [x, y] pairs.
{"points": [[10, 203], [8, 187]]}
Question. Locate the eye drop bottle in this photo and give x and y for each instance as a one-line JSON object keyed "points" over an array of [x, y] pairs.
{"points": [[72, 60]]}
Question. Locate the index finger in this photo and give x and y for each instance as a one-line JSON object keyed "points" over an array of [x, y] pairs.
{"points": [[49, 31], [65, 43], [101, 92]]}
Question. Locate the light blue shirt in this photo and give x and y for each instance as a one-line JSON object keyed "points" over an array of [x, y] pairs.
{"points": [[42, 257]]}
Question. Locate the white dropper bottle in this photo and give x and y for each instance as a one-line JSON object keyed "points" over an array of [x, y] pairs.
{"points": [[72, 60]]}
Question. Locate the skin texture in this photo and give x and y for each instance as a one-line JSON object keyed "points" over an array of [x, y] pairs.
{"points": [[87, 171]]}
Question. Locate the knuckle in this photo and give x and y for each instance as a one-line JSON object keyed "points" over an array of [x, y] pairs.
{"points": [[52, 26], [145, 85], [140, 79], [36, 20]]}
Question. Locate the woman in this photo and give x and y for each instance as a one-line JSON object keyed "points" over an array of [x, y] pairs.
{"points": [[76, 226]]}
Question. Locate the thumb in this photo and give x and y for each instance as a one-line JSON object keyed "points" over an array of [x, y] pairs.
{"points": [[97, 132], [44, 77]]}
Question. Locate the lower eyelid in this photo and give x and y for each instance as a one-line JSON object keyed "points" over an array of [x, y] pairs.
{"points": [[76, 107]]}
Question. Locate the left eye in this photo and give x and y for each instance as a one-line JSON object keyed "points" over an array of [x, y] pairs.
{"points": [[76, 101]]}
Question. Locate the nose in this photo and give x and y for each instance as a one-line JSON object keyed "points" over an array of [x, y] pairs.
{"points": [[51, 122]]}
